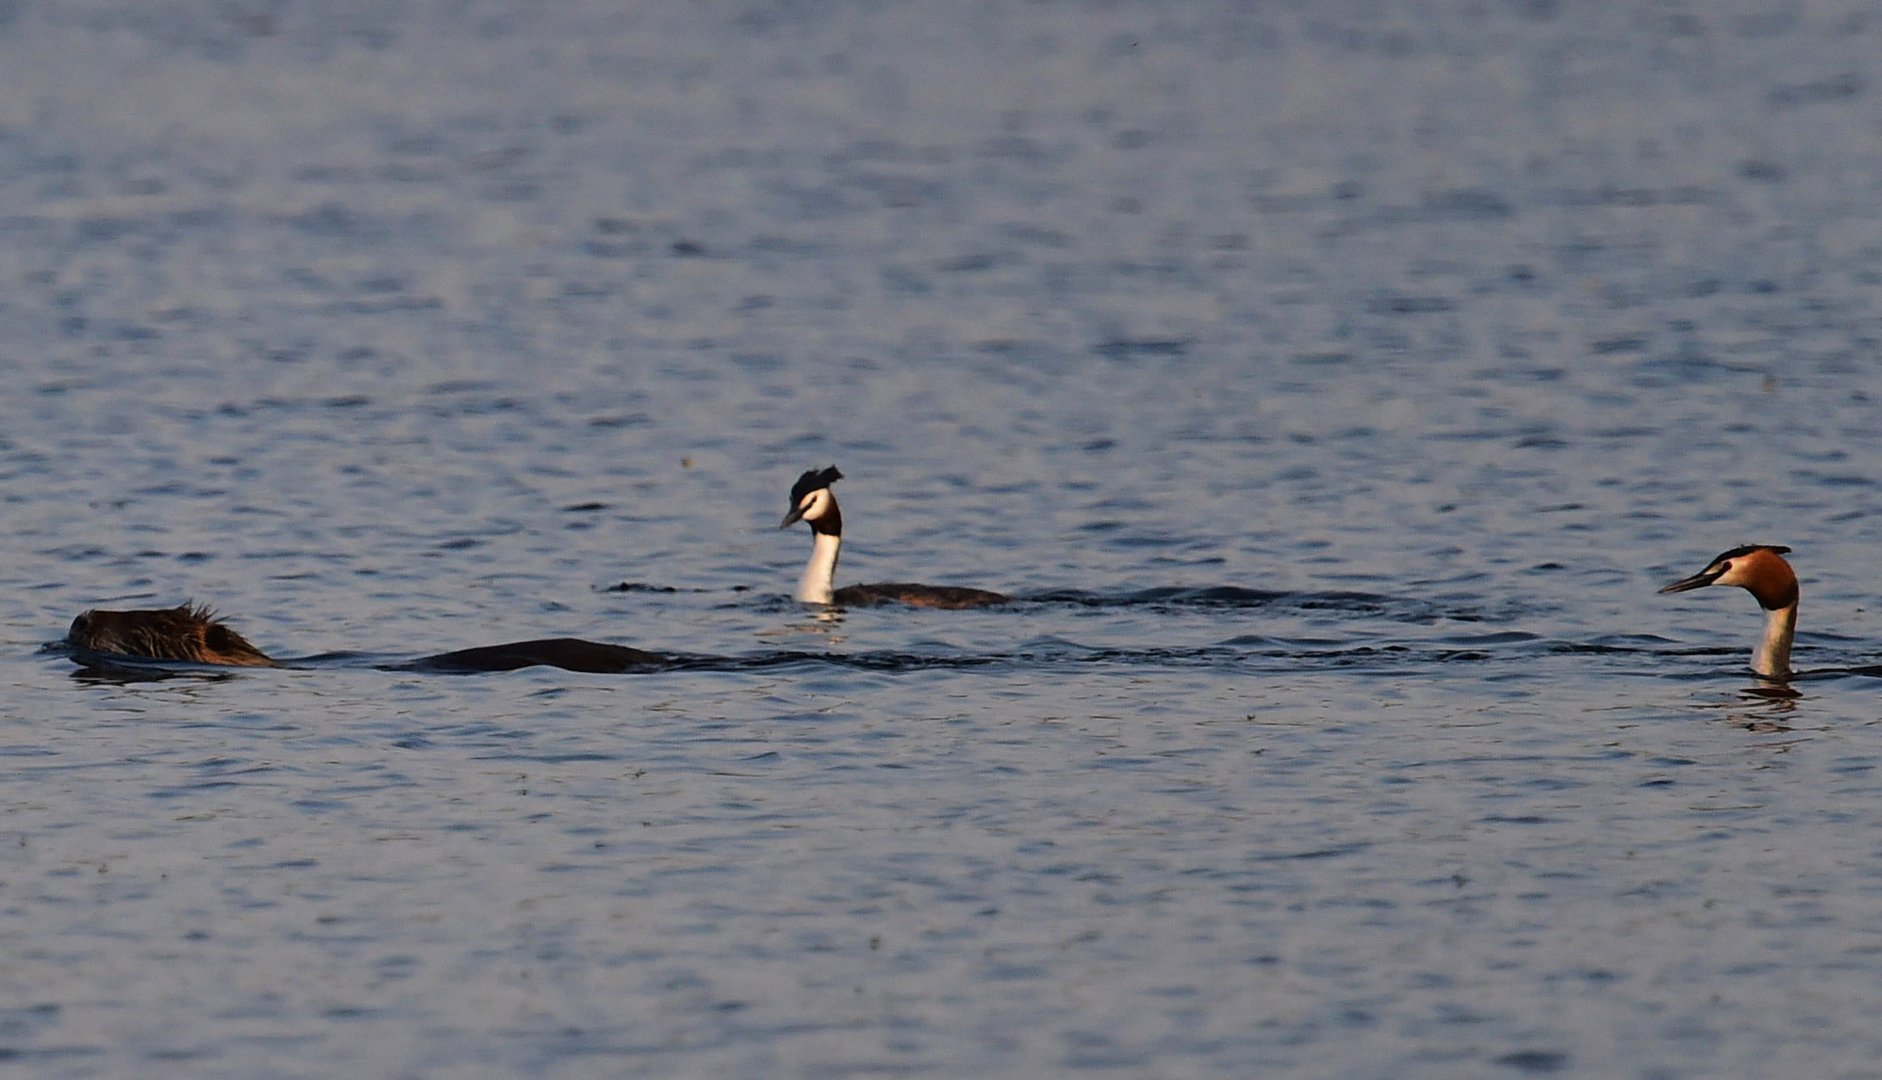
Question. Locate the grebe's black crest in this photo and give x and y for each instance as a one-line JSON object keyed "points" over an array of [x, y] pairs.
{"points": [[1746, 549], [813, 480]]}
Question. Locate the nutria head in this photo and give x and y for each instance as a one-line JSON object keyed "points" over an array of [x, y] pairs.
{"points": [[189, 632]]}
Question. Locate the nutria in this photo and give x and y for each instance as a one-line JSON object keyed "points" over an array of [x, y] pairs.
{"points": [[192, 633], [188, 632], [567, 653]]}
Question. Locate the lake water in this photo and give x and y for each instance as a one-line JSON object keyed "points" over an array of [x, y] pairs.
{"points": [[1336, 382]]}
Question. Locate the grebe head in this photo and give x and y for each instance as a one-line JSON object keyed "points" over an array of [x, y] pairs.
{"points": [[811, 499], [1759, 569]]}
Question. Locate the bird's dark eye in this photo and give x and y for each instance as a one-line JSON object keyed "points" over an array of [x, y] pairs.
{"points": [[1725, 568]]}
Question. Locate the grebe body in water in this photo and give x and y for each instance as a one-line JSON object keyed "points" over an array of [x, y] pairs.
{"points": [[1760, 570], [813, 502], [191, 633]]}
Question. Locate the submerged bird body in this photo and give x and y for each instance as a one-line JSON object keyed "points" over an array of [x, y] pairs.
{"points": [[814, 503], [914, 595], [1760, 570]]}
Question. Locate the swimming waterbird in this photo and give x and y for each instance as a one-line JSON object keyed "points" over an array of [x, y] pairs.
{"points": [[813, 502]]}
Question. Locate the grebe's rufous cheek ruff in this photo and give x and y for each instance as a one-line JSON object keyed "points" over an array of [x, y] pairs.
{"points": [[1760, 570], [813, 502]]}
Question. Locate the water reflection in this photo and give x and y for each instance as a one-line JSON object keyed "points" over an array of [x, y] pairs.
{"points": [[126, 675], [1765, 707]]}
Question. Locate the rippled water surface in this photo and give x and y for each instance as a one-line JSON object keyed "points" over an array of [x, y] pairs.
{"points": [[1333, 384]]}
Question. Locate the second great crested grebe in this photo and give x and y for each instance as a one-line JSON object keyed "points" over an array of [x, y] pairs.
{"points": [[813, 502], [1760, 570]]}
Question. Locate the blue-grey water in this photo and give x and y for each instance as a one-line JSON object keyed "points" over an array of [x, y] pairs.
{"points": [[1336, 382]]}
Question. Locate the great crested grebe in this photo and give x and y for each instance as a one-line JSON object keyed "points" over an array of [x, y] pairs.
{"points": [[191, 633], [813, 502], [1760, 570]]}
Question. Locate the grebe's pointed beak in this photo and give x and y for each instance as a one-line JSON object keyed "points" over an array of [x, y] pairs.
{"points": [[1697, 581], [796, 515]]}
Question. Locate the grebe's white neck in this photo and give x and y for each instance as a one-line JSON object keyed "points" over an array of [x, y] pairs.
{"points": [[1773, 658], [814, 587], [813, 503]]}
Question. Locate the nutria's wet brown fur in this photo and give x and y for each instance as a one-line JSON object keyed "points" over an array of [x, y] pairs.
{"points": [[192, 633], [187, 632], [569, 654]]}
